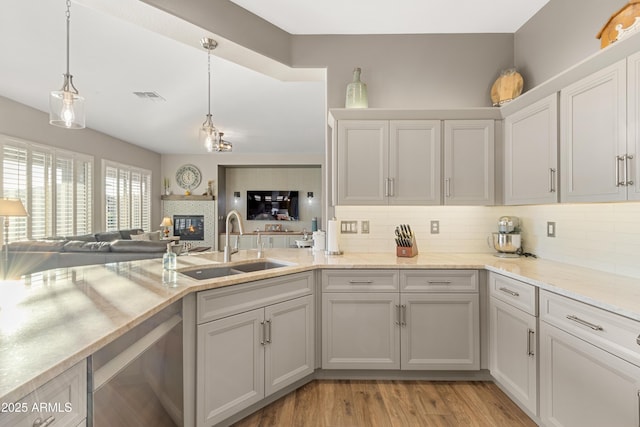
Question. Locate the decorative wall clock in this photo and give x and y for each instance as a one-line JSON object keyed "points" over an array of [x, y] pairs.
{"points": [[188, 177]]}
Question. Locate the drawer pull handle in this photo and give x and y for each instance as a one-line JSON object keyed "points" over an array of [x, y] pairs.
{"points": [[268, 325], [585, 323], [403, 310], [510, 292], [39, 423], [531, 333], [360, 282], [441, 282], [397, 322], [263, 332]]}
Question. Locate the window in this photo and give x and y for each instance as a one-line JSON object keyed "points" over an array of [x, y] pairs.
{"points": [[54, 185], [127, 193]]}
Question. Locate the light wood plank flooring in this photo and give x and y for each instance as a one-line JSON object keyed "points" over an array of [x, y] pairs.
{"points": [[330, 403]]}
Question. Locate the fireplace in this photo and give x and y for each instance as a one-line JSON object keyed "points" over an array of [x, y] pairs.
{"points": [[188, 227]]}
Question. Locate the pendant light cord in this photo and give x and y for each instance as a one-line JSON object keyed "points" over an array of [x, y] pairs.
{"points": [[209, 75], [68, 15]]}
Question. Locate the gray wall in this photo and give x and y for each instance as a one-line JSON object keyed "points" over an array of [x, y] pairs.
{"points": [[29, 124], [560, 35], [409, 71]]}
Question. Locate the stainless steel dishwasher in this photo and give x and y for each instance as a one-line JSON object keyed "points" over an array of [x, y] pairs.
{"points": [[137, 380]]}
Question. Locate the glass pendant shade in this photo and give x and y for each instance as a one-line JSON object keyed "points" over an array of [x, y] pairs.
{"points": [[209, 135], [66, 107]]}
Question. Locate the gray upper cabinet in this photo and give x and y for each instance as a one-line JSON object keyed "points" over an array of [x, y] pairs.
{"points": [[469, 162], [593, 143], [531, 154], [633, 126], [382, 162]]}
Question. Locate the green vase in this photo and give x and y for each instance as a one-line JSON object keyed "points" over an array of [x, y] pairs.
{"points": [[356, 92]]}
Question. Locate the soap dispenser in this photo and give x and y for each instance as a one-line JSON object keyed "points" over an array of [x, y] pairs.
{"points": [[169, 259]]}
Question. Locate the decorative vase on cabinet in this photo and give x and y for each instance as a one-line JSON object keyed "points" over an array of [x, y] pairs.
{"points": [[356, 92]]}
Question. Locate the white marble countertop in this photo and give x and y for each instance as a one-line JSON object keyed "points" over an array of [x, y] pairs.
{"points": [[54, 319]]}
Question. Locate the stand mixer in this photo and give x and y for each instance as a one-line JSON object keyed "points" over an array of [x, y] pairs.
{"points": [[507, 241]]}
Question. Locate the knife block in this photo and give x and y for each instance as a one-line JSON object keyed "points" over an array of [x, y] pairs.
{"points": [[408, 251]]}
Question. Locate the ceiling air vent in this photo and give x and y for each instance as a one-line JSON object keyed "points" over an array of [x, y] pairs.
{"points": [[151, 96]]}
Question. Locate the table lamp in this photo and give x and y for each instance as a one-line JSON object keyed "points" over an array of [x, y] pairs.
{"points": [[8, 208], [166, 223]]}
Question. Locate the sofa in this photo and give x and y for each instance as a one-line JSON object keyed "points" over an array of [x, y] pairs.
{"points": [[30, 256]]}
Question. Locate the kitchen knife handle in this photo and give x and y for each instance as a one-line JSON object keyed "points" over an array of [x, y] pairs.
{"points": [[552, 180], [627, 168]]}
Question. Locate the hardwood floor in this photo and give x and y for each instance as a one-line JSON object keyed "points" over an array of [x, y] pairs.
{"points": [[329, 403]]}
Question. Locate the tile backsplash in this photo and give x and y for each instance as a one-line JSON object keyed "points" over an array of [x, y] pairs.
{"points": [[604, 236]]}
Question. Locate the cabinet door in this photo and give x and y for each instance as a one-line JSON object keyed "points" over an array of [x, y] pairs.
{"points": [[289, 349], [468, 162], [633, 125], [414, 162], [360, 331], [362, 162], [440, 332], [531, 154], [593, 136], [230, 365], [582, 385], [512, 352]]}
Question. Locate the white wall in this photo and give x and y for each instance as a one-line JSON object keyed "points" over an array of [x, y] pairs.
{"points": [[29, 124]]}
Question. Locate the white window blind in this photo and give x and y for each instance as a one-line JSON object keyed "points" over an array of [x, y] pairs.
{"points": [[54, 185], [127, 193]]}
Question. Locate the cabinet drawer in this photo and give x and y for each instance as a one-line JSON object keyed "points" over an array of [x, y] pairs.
{"points": [[514, 292], [218, 303], [62, 400], [609, 331], [360, 281], [439, 280]]}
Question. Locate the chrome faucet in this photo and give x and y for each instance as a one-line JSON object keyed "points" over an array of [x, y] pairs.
{"points": [[227, 244], [259, 245]]}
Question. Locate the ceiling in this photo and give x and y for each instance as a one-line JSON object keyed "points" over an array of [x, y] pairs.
{"points": [[119, 47]]}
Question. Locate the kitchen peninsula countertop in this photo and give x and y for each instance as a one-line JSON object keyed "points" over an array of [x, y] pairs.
{"points": [[50, 321]]}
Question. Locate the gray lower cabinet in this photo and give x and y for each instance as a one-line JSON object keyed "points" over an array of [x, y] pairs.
{"points": [[513, 349], [61, 401], [246, 352], [369, 323], [589, 367]]}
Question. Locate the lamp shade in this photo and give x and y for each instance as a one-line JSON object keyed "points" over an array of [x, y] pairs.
{"points": [[12, 207], [166, 222]]}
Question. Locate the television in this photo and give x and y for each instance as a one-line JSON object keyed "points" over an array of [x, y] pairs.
{"points": [[272, 205]]}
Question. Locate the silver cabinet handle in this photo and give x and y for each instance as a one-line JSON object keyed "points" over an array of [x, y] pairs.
{"points": [[360, 282], [585, 323], [531, 333], [268, 326], [620, 183], [403, 310], [447, 187], [510, 292], [397, 322], [552, 180], [442, 282], [39, 423], [392, 187], [627, 168], [263, 333], [386, 187]]}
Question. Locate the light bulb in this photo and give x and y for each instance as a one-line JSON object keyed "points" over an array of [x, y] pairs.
{"points": [[66, 113]]}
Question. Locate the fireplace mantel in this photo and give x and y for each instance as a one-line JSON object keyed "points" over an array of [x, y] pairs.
{"points": [[184, 197]]}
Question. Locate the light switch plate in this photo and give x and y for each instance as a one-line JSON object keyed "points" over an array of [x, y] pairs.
{"points": [[551, 229], [435, 227], [348, 227], [364, 227]]}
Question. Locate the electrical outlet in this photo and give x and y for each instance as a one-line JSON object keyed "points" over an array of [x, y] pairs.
{"points": [[348, 227], [435, 227], [364, 227], [551, 229]]}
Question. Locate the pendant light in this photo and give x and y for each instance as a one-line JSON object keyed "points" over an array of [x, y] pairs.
{"points": [[66, 106], [210, 137]]}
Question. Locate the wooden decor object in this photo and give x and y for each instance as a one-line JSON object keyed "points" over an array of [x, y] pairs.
{"points": [[507, 87], [622, 23]]}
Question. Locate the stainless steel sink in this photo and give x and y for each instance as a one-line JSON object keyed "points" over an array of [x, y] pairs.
{"points": [[258, 266], [226, 270], [211, 272]]}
